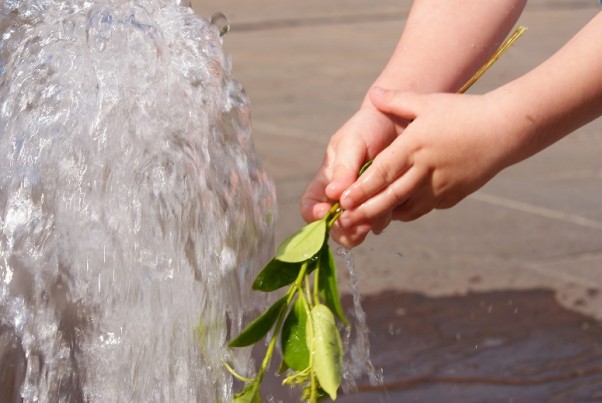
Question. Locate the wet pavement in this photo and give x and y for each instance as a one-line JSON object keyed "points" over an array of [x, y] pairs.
{"points": [[500, 346], [496, 300]]}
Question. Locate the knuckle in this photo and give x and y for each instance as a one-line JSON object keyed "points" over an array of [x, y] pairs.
{"points": [[382, 172], [396, 195], [340, 167]]}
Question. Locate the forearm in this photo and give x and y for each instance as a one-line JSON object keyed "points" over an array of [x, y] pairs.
{"points": [[559, 96], [445, 42]]}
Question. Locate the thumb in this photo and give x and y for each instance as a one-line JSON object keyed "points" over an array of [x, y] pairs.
{"points": [[405, 105]]}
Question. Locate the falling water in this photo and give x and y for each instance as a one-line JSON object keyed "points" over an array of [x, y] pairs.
{"points": [[133, 208], [357, 360]]}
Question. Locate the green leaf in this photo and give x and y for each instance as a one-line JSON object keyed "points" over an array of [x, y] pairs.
{"points": [[250, 394], [276, 274], [327, 350], [282, 368], [260, 326], [293, 338], [304, 244], [328, 283]]}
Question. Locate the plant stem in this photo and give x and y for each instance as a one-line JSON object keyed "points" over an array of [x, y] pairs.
{"points": [[270, 350], [313, 386], [308, 293], [297, 287], [333, 214], [501, 50], [305, 300], [316, 286], [237, 375], [298, 284]]}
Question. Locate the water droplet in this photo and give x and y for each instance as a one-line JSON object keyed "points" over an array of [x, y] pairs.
{"points": [[221, 22]]}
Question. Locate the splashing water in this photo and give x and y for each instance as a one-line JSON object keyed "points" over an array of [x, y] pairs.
{"points": [[133, 209]]}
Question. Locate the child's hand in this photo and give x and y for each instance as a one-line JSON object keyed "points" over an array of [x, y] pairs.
{"points": [[454, 145], [359, 140]]}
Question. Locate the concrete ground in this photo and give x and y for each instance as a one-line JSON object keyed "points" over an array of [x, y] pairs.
{"points": [[538, 225], [306, 66]]}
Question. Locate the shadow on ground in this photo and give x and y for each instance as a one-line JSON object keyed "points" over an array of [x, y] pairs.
{"points": [[504, 346]]}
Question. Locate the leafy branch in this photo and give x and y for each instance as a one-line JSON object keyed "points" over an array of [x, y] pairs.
{"points": [[305, 318]]}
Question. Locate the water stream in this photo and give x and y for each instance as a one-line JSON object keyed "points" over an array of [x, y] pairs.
{"points": [[357, 360], [133, 208]]}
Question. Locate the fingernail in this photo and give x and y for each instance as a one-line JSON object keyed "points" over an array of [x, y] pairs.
{"points": [[346, 199], [332, 190]]}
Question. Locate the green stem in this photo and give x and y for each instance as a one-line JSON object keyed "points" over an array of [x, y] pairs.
{"points": [[313, 397], [333, 214], [237, 375], [270, 350], [335, 211], [298, 284], [316, 286], [307, 292], [296, 287]]}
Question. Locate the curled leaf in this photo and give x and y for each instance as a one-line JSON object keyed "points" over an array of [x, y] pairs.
{"points": [[329, 283], [304, 244], [276, 274], [282, 368], [293, 338], [260, 326], [327, 350]]}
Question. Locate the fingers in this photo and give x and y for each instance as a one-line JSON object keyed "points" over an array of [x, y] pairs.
{"points": [[358, 140], [363, 137], [314, 202], [382, 222], [351, 237], [313, 209], [404, 105], [396, 194], [421, 202], [389, 181], [387, 167], [347, 163], [337, 172], [393, 161]]}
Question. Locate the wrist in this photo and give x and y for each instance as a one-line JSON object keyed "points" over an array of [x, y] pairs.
{"points": [[515, 118]]}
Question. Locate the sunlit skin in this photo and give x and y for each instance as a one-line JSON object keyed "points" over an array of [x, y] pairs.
{"points": [[455, 143]]}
